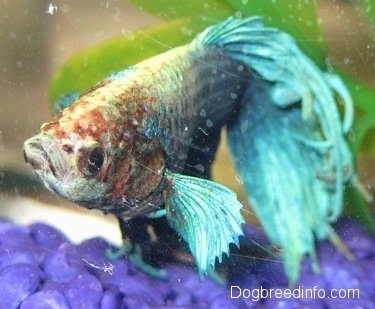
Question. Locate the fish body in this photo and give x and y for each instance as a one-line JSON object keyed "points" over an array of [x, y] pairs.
{"points": [[122, 146], [140, 143]]}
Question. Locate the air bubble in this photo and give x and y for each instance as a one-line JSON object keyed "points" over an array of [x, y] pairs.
{"points": [[203, 112], [240, 68], [209, 123], [351, 135], [238, 14], [234, 96], [244, 126], [186, 30], [199, 168], [128, 34]]}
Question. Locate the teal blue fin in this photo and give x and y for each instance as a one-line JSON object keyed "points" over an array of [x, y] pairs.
{"points": [[206, 214], [276, 58]]}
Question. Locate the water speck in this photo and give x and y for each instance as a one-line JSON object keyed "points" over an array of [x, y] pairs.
{"points": [[19, 64], [329, 64], [182, 156], [128, 34], [244, 125], [85, 62], [186, 30], [351, 135], [245, 1], [203, 112], [346, 60], [199, 168], [238, 14], [209, 123], [99, 34], [240, 68], [234, 96], [134, 122]]}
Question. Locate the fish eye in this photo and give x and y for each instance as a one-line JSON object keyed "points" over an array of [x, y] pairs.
{"points": [[91, 160]]}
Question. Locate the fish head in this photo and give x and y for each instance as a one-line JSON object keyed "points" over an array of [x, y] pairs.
{"points": [[97, 157]]}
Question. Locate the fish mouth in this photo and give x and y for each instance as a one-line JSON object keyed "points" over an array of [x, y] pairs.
{"points": [[44, 156]]}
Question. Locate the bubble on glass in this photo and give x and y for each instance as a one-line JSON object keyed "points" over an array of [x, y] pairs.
{"points": [[209, 123], [238, 14], [117, 16], [199, 168], [329, 65], [203, 112], [182, 156], [186, 31], [233, 96], [85, 62], [244, 125], [240, 68], [351, 135], [127, 34]]}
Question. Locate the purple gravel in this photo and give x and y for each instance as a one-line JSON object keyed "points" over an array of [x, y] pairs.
{"points": [[46, 299], [17, 281], [40, 268]]}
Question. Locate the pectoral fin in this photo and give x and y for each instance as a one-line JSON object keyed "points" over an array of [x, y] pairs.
{"points": [[207, 216]]}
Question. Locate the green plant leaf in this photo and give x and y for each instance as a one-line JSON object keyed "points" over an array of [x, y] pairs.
{"points": [[357, 208], [364, 103], [296, 17], [361, 128], [171, 9], [363, 95]]}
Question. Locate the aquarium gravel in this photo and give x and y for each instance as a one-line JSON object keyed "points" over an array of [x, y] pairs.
{"points": [[41, 268]]}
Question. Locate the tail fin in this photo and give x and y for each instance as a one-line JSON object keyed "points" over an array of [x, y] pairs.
{"points": [[275, 57], [288, 131]]}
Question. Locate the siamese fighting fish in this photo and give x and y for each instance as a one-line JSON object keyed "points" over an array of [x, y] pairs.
{"points": [[140, 143]]}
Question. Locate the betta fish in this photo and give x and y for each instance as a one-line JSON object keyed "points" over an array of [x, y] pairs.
{"points": [[140, 143]]}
